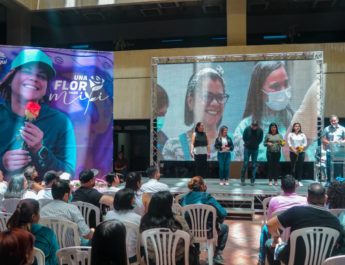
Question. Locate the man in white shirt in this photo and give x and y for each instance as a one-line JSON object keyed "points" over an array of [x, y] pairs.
{"points": [[60, 208], [333, 133], [153, 185], [49, 178]]}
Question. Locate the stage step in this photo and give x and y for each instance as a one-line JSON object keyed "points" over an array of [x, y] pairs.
{"points": [[234, 198], [237, 205], [240, 211]]}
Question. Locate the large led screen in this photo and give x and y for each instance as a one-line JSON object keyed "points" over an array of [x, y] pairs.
{"points": [[218, 92]]}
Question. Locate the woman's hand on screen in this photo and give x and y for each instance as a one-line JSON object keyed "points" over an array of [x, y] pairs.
{"points": [[16, 159], [33, 136]]}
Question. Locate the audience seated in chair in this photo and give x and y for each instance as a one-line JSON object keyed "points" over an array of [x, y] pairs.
{"points": [[16, 247], [27, 217], [336, 200], [133, 181], [153, 184], [312, 215], [123, 211], [49, 178], [160, 215], [60, 208], [109, 244], [286, 200], [198, 195], [113, 182], [18, 188], [34, 180], [87, 192]]}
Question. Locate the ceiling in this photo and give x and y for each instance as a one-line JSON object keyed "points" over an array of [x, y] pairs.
{"points": [[186, 23]]}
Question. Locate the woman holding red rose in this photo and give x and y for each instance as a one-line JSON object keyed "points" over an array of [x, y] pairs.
{"points": [[32, 132]]}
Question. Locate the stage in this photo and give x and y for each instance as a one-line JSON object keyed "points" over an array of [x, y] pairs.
{"points": [[237, 199], [261, 187]]}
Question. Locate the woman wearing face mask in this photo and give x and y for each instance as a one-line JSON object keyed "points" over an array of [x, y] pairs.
{"points": [[205, 101], [273, 141], [162, 108], [297, 142], [268, 101], [47, 142]]}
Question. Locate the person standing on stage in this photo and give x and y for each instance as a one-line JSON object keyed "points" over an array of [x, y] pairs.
{"points": [[252, 137], [224, 146], [200, 149], [273, 141], [333, 133], [297, 142]]}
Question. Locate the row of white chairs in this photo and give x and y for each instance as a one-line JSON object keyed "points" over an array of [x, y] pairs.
{"points": [[198, 215], [163, 240], [67, 232], [10, 205], [164, 243]]}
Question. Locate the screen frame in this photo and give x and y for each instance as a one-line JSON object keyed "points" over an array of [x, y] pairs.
{"points": [[284, 56]]}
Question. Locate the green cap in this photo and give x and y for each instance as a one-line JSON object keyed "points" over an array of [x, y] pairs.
{"points": [[33, 56]]}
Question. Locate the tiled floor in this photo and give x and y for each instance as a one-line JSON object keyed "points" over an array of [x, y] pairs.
{"points": [[243, 242]]}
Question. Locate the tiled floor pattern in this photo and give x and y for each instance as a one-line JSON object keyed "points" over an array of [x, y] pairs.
{"points": [[243, 242]]}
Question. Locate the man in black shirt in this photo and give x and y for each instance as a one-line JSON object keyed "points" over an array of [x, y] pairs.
{"points": [[297, 217], [252, 137]]}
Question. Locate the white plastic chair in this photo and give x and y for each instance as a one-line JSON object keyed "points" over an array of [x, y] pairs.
{"points": [[9, 205], [86, 209], [164, 243], [74, 256], [3, 220], [105, 208], [337, 260], [132, 227], [66, 231], [265, 204], [318, 241], [39, 256], [197, 216]]}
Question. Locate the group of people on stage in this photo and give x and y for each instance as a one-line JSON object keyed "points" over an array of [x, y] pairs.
{"points": [[273, 141], [267, 110]]}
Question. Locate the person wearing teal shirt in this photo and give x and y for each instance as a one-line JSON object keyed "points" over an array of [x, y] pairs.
{"points": [[27, 216], [45, 240], [198, 195], [47, 141]]}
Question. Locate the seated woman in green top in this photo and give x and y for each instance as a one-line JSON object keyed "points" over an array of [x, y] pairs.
{"points": [[273, 141], [26, 217]]}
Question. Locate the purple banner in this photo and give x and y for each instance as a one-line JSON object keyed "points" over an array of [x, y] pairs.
{"points": [[74, 128]]}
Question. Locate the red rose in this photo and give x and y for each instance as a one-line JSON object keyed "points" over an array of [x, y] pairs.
{"points": [[32, 110]]}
